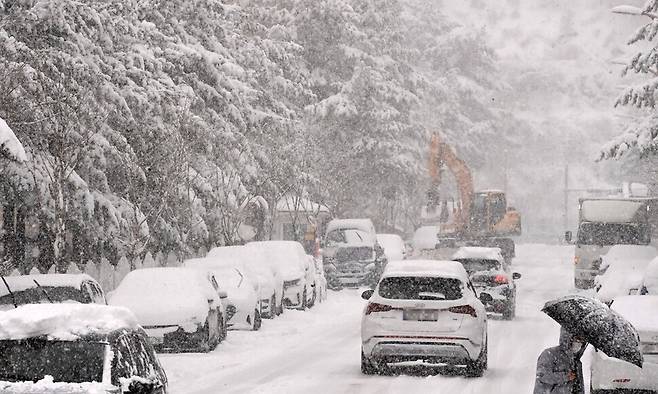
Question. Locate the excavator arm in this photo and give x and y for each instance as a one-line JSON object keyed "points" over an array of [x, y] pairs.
{"points": [[442, 154]]}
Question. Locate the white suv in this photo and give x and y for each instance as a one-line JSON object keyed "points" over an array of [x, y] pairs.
{"points": [[424, 312]]}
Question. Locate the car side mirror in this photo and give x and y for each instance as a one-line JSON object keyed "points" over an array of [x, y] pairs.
{"points": [[568, 236], [516, 275], [486, 298], [222, 294], [367, 294]]}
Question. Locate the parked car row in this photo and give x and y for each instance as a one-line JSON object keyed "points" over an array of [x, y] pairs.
{"points": [[110, 344]]}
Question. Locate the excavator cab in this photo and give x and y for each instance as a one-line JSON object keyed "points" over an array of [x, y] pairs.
{"points": [[490, 215]]}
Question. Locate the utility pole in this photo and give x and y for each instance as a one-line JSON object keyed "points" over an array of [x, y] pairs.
{"points": [[566, 198], [505, 174]]}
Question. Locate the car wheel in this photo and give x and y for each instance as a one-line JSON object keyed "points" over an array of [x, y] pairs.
{"points": [[257, 321], [280, 308], [510, 310], [313, 298], [476, 368], [366, 365], [304, 303], [272, 309], [223, 327]]}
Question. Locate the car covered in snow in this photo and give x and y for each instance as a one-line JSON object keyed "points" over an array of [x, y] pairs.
{"points": [[622, 271], [49, 288], [76, 348], [425, 238], [351, 251], [423, 312], [611, 375], [490, 274], [394, 246], [291, 262], [242, 303], [180, 309], [253, 263]]}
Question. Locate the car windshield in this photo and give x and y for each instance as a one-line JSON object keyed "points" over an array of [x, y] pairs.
{"points": [[612, 234], [420, 288], [346, 236], [66, 361], [44, 294], [475, 265]]}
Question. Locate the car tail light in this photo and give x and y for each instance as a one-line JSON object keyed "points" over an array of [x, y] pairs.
{"points": [[464, 310], [501, 279], [375, 307], [576, 260]]}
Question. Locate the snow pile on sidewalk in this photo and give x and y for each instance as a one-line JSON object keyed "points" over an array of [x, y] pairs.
{"points": [[63, 321], [47, 385]]}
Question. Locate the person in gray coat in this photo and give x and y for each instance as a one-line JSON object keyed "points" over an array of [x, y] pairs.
{"points": [[559, 370]]}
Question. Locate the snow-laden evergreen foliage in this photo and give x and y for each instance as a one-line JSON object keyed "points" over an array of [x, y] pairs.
{"points": [[642, 134], [150, 125]]}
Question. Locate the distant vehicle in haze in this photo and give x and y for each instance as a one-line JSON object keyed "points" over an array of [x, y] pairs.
{"points": [[242, 303], [603, 223], [292, 264], [425, 238], [352, 253], [424, 312], [49, 288], [622, 270], [254, 262], [490, 274], [394, 246]]}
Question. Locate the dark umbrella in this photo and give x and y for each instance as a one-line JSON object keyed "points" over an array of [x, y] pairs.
{"points": [[597, 324]]}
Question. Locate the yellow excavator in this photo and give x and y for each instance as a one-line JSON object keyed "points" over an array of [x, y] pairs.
{"points": [[478, 218]]}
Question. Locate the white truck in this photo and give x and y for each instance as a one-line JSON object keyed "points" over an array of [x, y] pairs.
{"points": [[604, 222]]}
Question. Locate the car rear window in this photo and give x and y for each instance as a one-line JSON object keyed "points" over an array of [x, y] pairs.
{"points": [[420, 288], [66, 361]]}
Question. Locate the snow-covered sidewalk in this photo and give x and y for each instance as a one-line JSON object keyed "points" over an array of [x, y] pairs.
{"points": [[318, 351]]}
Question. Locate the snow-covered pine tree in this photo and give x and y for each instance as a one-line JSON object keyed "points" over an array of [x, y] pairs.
{"points": [[642, 133]]}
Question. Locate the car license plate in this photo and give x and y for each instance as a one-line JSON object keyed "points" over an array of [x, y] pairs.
{"points": [[420, 314], [156, 340]]}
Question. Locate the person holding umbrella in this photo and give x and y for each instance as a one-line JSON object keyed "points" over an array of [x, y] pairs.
{"points": [[584, 320], [559, 370]]}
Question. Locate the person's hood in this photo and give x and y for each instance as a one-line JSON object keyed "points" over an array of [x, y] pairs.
{"points": [[566, 339]]}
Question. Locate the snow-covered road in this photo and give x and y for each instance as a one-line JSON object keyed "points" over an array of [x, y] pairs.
{"points": [[318, 351]]}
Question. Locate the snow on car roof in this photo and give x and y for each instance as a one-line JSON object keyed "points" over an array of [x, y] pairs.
{"points": [[48, 385], [359, 224], [442, 268], [63, 321], [610, 211], [477, 252], [639, 310], [631, 252], [24, 282], [166, 295]]}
